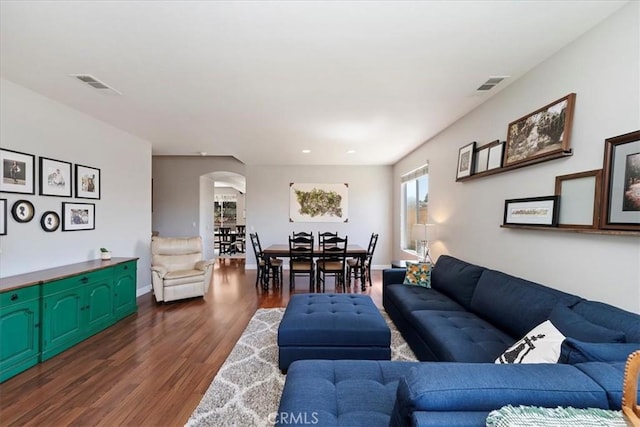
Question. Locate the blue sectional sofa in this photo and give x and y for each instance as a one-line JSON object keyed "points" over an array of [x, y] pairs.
{"points": [[457, 328]]}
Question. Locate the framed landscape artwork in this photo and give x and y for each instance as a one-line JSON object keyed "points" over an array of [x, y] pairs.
{"points": [[87, 182], [17, 171], [55, 177], [621, 188], [539, 211], [318, 202], [544, 133]]}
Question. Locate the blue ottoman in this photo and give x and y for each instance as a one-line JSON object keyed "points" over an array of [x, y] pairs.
{"points": [[332, 326]]}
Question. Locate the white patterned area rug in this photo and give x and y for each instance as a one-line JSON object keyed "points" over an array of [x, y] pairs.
{"points": [[246, 391]]}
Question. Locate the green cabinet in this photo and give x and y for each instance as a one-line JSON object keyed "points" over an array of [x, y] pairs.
{"points": [[73, 306], [124, 290], [19, 330]]}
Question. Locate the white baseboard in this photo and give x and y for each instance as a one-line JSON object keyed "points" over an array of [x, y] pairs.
{"points": [[143, 291]]}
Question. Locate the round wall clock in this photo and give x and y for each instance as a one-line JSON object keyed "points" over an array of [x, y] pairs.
{"points": [[50, 221], [22, 211]]}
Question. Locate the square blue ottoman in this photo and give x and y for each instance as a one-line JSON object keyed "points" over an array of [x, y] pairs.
{"points": [[332, 326]]}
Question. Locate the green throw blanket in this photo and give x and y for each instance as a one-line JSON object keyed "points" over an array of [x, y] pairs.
{"points": [[532, 416]]}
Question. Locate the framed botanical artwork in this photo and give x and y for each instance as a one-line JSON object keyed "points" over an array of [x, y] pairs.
{"points": [[318, 202], [22, 211], [17, 171], [50, 221], [580, 195], [55, 177], [466, 160], [3, 217], [78, 216], [545, 133], [540, 211], [621, 186], [87, 182]]}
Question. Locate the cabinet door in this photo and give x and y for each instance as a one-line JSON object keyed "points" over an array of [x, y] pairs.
{"points": [[19, 338], [124, 290], [99, 306], [63, 321]]}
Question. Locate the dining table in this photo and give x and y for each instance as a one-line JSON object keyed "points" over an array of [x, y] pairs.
{"points": [[280, 250]]}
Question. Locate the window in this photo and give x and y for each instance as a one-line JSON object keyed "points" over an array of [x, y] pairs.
{"points": [[415, 200]]}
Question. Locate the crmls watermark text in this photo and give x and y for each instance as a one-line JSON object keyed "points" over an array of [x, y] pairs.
{"points": [[294, 418]]}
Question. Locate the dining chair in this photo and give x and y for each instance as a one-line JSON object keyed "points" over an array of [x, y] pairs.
{"points": [[241, 239], [266, 265], [225, 241], [331, 261], [361, 267], [324, 235], [301, 254]]}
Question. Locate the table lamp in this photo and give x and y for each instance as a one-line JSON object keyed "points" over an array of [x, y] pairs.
{"points": [[420, 233]]}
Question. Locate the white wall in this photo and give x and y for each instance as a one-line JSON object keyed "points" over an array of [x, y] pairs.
{"points": [[36, 125], [179, 182], [370, 209], [603, 69]]}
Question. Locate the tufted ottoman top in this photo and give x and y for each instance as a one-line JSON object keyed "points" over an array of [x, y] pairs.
{"points": [[333, 320]]}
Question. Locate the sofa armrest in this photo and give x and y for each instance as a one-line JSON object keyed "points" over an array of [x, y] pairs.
{"points": [[478, 387], [159, 270], [204, 264], [393, 276]]}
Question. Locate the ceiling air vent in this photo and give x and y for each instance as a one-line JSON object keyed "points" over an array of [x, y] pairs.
{"points": [[489, 84], [96, 84]]}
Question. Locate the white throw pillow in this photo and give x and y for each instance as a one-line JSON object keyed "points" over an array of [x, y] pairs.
{"points": [[540, 345]]}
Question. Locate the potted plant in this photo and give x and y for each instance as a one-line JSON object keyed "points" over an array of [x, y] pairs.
{"points": [[105, 254]]}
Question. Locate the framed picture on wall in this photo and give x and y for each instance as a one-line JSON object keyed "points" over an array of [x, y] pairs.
{"points": [[3, 217], [17, 171], [78, 216], [621, 188], [55, 177], [540, 211], [87, 182], [466, 160]]}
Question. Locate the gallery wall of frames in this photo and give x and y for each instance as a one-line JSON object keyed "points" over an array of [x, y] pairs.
{"points": [[25, 173], [603, 201]]}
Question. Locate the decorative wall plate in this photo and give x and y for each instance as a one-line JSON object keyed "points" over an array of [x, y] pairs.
{"points": [[50, 221], [22, 211]]}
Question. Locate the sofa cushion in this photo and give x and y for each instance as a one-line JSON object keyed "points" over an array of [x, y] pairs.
{"points": [[459, 336], [419, 274], [571, 324], [610, 317], [610, 377], [515, 305], [441, 387], [574, 351], [456, 278], [340, 393], [411, 298], [539, 345]]}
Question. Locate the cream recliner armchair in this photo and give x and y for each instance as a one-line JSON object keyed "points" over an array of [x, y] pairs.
{"points": [[177, 268]]}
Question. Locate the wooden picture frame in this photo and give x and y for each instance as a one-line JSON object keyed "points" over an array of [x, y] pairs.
{"points": [[78, 216], [55, 177], [17, 171], [621, 183], [580, 194], [466, 161], [87, 182], [544, 133], [538, 211]]}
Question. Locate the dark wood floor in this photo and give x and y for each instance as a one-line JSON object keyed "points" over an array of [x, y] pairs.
{"points": [[152, 368]]}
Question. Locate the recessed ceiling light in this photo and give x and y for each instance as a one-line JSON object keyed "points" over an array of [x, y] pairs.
{"points": [[306, 151], [351, 151]]}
